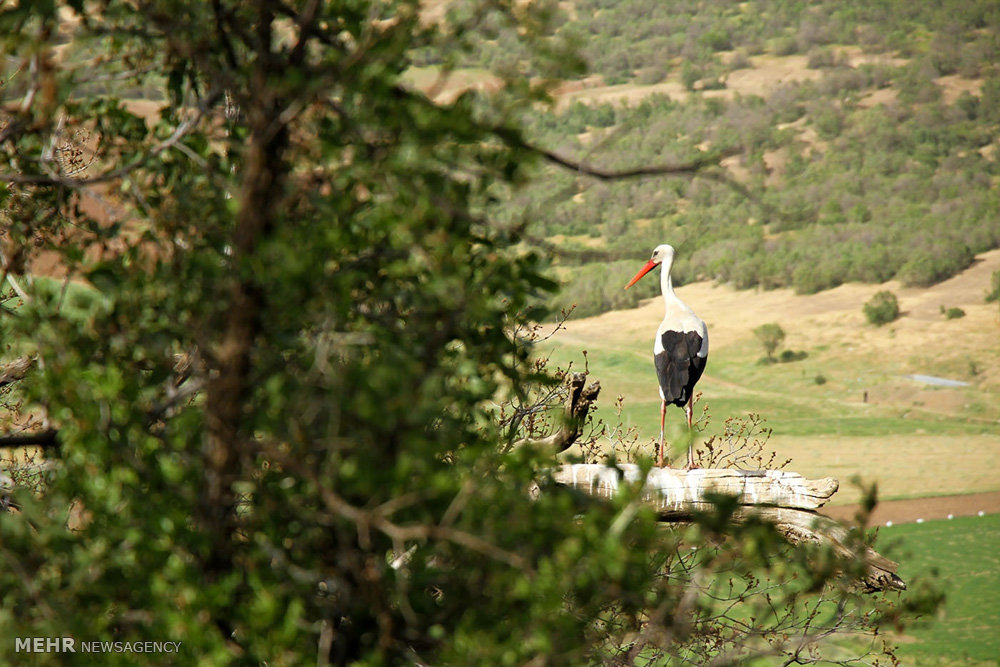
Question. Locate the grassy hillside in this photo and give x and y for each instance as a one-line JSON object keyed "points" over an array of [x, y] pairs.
{"points": [[866, 132]]}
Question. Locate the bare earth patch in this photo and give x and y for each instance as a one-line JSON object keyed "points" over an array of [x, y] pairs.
{"points": [[953, 86], [910, 511]]}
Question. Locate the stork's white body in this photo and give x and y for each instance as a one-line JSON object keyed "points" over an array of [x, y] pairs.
{"points": [[680, 348], [677, 316]]}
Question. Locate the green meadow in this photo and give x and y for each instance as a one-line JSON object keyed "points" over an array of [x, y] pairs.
{"points": [[962, 554]]}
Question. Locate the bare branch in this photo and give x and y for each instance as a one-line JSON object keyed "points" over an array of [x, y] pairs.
{"points": [[179, 133], [688, 168], [367, 520], [47, 439], [576, 408], [183, 392]]}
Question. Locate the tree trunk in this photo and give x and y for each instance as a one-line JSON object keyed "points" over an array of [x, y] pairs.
{"points": [[785, 499]]}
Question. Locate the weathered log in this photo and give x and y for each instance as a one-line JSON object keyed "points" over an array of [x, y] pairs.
{"points": [[673, 490], [785, 499]]}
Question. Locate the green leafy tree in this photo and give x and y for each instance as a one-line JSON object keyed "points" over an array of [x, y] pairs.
{"points": [[265, 388], [771, 336], [881, 308]]}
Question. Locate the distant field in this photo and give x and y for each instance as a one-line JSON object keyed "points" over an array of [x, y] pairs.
{"points": [[910, 438], [963, 555]]}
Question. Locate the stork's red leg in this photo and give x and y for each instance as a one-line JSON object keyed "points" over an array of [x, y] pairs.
{"points": [[663, 418], [688, 411]]}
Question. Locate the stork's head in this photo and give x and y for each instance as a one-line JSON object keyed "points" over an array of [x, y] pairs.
{"points": [[661, 254]]}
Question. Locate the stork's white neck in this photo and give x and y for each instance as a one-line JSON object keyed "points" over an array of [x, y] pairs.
{"points": [[666, 285]]}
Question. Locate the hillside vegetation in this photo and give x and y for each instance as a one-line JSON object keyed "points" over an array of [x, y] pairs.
{"points": [[865, 131]]}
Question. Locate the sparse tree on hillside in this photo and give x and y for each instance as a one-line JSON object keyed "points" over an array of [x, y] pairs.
{"points": [[771, 336]]}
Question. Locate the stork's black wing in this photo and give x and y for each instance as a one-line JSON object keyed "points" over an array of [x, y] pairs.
{"points": [[679, 367]]}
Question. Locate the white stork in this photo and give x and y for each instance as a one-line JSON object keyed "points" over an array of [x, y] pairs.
{"points": [[680, 350]]}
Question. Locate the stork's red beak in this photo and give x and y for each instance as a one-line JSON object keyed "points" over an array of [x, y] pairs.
{"points": [[643, 271]]}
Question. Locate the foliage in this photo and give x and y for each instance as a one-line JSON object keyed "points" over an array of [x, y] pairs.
{"points": [[788, 356], [274, 389], [882, 308], [771, 336], [994, 292], [952, 313]]}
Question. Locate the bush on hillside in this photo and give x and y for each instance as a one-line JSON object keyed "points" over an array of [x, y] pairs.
{"points": [[783, 46], [994, 293], [740, 60], [882, 308], [952, 313], [788, 356], [821, 57]]}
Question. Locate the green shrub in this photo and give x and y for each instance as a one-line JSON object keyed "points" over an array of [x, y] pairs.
{"points": [[882, 308], [787, 356], [784, 46], [820, 379], [821, 57], [953, 313], [716, 39], [689, 75], [811, 278], [989, 99], [994, 293], [741, 60], [650, 75], [969, 104], [829, 122]]}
